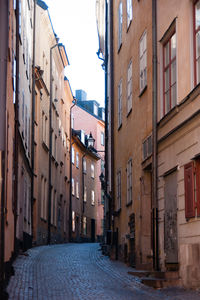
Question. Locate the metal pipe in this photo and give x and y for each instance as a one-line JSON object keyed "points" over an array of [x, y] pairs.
{"points": [[33, 119], [154, 121], [70, 186], [4, 33]]}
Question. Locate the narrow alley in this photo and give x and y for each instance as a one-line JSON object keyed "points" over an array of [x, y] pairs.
{"points": [[80, 272]]}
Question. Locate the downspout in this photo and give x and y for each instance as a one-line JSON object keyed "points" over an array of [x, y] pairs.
{"points": [[112, 108], [70, 174], [4, 32], [154, 162], [33, 120], [16, 138], [83, 190]]}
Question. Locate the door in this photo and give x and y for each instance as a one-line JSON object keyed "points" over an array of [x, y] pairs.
{"points": [[170, 234], [92, 230]]}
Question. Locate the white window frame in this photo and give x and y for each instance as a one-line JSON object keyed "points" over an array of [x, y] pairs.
{"points": [[129, 87], [92, 198], [129, 12], [120, 21], [84, 166], [84, 225], [120, 103], [102, 138], [73, 188], [119, 187], [92, 171], [85, 194], [73, 155], [129, 181], [143, 61], [77, 189], [77, 160], [73, 221]]}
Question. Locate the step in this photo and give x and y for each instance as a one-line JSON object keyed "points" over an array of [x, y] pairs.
{"points": [[140, 273], [160, 282]]}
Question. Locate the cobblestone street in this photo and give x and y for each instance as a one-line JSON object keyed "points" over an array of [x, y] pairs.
{"points": [[80, 272]]}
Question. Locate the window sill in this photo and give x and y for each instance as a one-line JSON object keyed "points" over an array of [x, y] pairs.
{"points": [[119, 127], [128, 114], [119, 49], [142, 92], [129, 25], [45, 146], [128, 204]]}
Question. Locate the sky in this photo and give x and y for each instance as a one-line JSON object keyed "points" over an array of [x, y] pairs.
{"points": [[74, 22]]}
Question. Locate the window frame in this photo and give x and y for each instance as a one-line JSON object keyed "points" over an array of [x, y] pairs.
{"points": [[92, 198], [129, 12], [119, 189], [195, 32], [73, 187], [143, 57], [129, 197], [73, 156], [77, 160], [92, 171], [120, 104], [120, 23], [129, 87], [169, 67]]}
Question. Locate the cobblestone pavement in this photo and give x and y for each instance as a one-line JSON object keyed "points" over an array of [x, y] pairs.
{"points": [[80, 272]]}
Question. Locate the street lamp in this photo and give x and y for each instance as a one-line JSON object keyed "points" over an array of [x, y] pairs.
{"points": [[50, 143], [90, 141]]}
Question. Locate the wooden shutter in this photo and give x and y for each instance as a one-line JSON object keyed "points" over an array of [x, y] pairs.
{"points": [[198, 186], [189, 190]]}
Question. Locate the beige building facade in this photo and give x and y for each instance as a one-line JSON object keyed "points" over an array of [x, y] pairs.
{"points": [[178, 138]]}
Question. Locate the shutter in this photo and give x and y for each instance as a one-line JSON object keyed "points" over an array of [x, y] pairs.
{"points": [[198, 186], [189, 190]]}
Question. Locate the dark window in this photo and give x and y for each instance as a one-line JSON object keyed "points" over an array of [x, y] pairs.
{"points": [[189, 190]]}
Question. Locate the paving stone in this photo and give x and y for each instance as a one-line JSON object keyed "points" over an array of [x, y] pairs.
{"points": [[80, 272]]}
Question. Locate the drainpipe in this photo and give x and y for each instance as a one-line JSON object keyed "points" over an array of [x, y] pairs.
{"points": [[33, 120], [112, 108], [83, 190], [70, 186], [16, 138], [4, 33], [154, 121]]}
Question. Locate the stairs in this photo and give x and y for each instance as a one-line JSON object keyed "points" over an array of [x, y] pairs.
{"points": [[157, 280]]}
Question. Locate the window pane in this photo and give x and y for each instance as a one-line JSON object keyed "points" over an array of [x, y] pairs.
{"points": [[173, 95], [166, 53], [197, 45], [198, 70], [167, 102], [173, 46], [173, 72], [166, 74], [197, 8]]}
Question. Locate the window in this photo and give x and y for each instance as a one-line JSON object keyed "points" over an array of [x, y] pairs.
{"points": [[143, 61], [197, 42], [119, 189], [77, 189], [192, 188], [55, 209], [84, 166], [147, 147], [129, 88], [120, 104], [43, 198], [169, 74], [95, 107], [85, 194], [129, 181], [77, 160], [102, 197], [102, 138], [84, 225], [73, 191], [120, 25], [73, 222], [129, 12], [44, 126], [73, 155], [92, 170], [92, 198], [102, 165]]}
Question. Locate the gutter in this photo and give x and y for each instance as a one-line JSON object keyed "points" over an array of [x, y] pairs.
{"points": [[33, 120], [154, 135], [4, 33]]}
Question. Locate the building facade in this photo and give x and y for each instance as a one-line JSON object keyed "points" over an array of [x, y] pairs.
{"points": [[178, 138], [84, 188], [90, 117], [52, 134]]}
